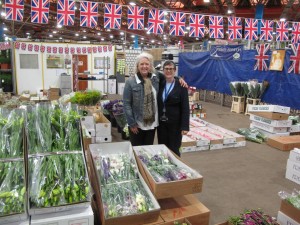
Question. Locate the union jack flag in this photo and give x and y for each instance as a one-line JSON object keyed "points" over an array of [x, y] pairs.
{"points": [[60, 50], [135, 17], [94, 49], [266, 30], [17, 45], [177, 23], [296, 33], [43, 49], [295, 66], [54, 49], [65, 12], [282, 31], [251, 29], [197, 25], [23, 46], [39, 11], [48, 49], [216, 27], [89, 49], [88, 14], [156, 21], [112, 16], [83, 49], [67, 50], [14, 10], [36, 48], [30, 47], [234, 28], [99, 48], [262, 57]]}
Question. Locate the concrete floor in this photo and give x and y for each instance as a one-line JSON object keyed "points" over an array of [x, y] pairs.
{"points": [[241, 178]]}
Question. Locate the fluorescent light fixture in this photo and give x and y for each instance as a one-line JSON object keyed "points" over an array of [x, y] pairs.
{"points": [[54, 32], [111, 36], [132, 36], [142, 38], [84, 31], [50, 35], [84, 37], [148, 32], [60, 38], [142, 43], [165, 13], [165, 38], [75, 7], [187, 28], [290, 28], [77, 34], [108, 30], [3, 14], [146, 28], [206, 1], [59, 26], [165, 21], [197, 39], [282, 19], [229, 11], [4, 28], [98, 33], [102, 39], [121, 33], [152, 41], [27, 33], [273, 32], [132, 3]]}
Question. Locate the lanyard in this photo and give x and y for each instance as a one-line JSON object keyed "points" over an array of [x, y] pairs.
{"points": [[166, 92]]}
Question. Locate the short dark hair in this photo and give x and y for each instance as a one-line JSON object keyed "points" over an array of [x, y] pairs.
{"points": [[169, 62]]}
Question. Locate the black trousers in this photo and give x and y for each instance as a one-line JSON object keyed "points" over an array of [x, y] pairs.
{"points": [[169, 134], [144, 137]]}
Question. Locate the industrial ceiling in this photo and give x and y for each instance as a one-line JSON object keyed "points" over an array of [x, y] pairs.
{"points": [[272, 9]]}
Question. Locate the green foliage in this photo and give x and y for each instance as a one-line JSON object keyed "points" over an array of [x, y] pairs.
{"points": [[237, 88], [86, 97]]}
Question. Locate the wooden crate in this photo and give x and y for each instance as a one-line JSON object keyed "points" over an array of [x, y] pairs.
{"points": [[238, 104]]}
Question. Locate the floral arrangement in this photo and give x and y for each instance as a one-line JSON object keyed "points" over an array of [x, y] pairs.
{"points": [[116, 168], [109, 105], [162, 168], [252, 217], [125, 198]]}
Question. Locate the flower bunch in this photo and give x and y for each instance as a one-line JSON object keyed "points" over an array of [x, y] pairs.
{"points": [[109, 105], [162, 168], [116, 167], [252, 217], [125, 198]]}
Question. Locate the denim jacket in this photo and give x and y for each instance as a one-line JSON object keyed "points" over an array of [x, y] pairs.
{"points": [[133, 98]]}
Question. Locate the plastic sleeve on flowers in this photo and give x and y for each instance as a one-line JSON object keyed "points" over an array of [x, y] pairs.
{"points": [[33, 144], [12, 188]]}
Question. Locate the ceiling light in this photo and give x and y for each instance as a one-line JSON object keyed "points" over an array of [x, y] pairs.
{"points": [[3, 14], [50, 35], [84, 31], [99, 33], [188, 28], [102, 39], [142, 38], [142, 43], [148, 32], [4, 28], [290, 28], [59, 26], [111, 36], [152, 41], [6, 38], [54, 32], [146, 28], [132, 3], [206, 1], [165, 13], [84, 37], [273, 32], [282, 19], [77, 34], [229, 11], [197, 39], [75, 7], [108, 30], [122, 33], [132, 36], [28, 33], [165, 21], [165, 38], [60, 38]]}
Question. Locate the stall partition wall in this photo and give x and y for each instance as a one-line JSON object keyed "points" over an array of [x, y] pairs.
{"points": [[39, 76], [215, 75]]}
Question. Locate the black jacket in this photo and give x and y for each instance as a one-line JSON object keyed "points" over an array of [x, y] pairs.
{"points": [[177, 105]]}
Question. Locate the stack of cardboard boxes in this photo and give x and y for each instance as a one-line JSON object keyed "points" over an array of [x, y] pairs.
{"points": [[271, 120], [288, 214], [293, 166]]}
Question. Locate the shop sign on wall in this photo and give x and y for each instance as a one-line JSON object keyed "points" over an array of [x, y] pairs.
{"points": [[226, 52]]}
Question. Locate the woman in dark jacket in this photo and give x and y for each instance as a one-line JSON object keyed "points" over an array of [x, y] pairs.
{"points": [[173, 109]]}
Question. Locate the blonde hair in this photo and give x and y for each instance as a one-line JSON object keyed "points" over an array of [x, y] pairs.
{"points": [[142, 56]]}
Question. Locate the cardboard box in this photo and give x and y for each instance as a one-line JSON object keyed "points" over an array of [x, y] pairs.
{"points": [[187, 206], [269, 108], [283, 219], [272, 115], [295, 128], [295, 155], [102, 139], [284, 143], [97, 150], [202, 148], [216, 146], [214, 139], [270, 134], [293, 171], [171, 188], [187, 142], [85, 217], [187, 149], [273, 123], [237, 136], [180, 221], [201, 141], [89, 123], [103, 126], [269, 128], [196, 122], [289, 210]]}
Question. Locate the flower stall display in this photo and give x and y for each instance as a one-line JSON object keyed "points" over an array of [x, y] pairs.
{"points": [[86, 98], [290, 205], [165, 172], [252, 134], [120, 190], [252, 217]]}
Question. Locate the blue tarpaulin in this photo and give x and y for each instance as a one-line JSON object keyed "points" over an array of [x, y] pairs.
{"points": [[215, 75]]}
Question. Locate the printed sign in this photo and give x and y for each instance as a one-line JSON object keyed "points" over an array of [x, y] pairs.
{"points": [[226, 52]]}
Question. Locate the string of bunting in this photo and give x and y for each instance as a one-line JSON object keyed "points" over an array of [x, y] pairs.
{"points": [[253, 29]]}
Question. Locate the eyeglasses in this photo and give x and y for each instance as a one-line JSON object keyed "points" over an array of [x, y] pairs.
{"points": [[169, 69]]}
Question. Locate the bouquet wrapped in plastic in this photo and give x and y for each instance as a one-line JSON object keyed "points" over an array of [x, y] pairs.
{"points": [[293, 198]]}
